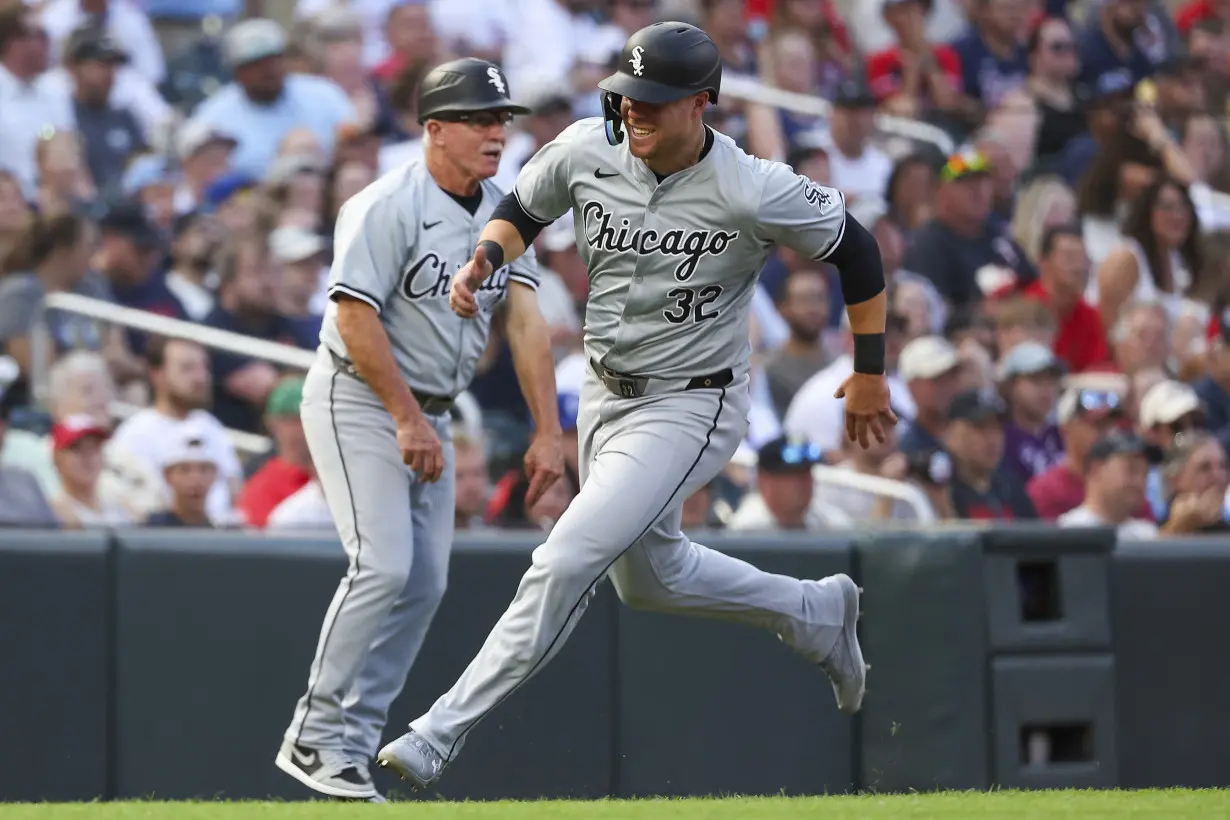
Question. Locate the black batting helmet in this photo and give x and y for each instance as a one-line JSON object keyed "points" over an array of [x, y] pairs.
{"points": [[468, 84], [660, 64]]}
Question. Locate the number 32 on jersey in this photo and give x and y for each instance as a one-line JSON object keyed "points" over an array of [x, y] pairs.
{"points": [[692, 303]]}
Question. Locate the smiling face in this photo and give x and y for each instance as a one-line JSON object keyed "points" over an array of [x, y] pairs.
{"points": [[661, 130]]}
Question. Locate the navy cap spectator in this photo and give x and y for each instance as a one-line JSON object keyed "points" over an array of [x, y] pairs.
{"points": [[974, 439], [111, 134], [784, 488]]}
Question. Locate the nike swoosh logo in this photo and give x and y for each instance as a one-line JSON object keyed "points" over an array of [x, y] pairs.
{"points": [[598, 173], [307, 761], [427, 226]]}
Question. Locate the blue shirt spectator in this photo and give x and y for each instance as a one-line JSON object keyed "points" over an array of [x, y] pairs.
{"points": [[1119, 38], [993, 58]]}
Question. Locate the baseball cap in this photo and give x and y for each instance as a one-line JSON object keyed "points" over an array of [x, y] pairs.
{"points": [[290, 243], [926, 358], [66, 433], [1118, 443], [1109, 87], [195, 136], [93, 43], [288, 167], [1167, 402], [127, 218], [144, 171], [224, 187], [785, 455], [1084, 401], [976, 406], [187, 448], [546, 96], [253, 40], [285, 398], [854, 94], [1029, 359], [964, 165]]}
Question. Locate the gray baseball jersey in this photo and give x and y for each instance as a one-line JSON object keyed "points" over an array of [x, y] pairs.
{"points": [[672, 264], [397, 245]]}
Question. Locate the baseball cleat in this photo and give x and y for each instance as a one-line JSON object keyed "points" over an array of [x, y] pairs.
{"points": [[412, 759], [844, 664], [326, 771]]}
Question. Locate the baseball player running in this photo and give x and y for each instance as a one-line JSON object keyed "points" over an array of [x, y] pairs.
{"points": [[673, 221], [392, 357]]}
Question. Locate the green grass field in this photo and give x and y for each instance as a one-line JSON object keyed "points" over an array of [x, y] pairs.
{"points": [[1174, 803]]}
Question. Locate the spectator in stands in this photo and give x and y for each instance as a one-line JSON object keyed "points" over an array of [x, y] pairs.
{"points": [[246, 304], [1204, 143], [1117, 40], [229, 198], [1142, 337], [53, 257], [1214, 388], [336, 42], [915, 77], [263, 102], [295, 183], [1159, 257], [1016, 319], [343, 181], [300, 256], [832, 58], [111, 134], [929, 367], [472, 482], [129, 250], [64, 181], [1063, 275], [1084, 416], [181, 382], [1115, 470], [992, 54], [1046, 108], [1029, 379], [811, 160], [1197, 481], [1005, 170], [30, 109], [412, 40], [910, 192], [1180, 92], [290, 468], [964, 252], [404, 99], [1207, 41], [190, 472], [1139, 385], [784, 490], [304, 509], [15, 213], [857, 168], [78, 453], [1169, 409], [725, 22], [152, 181], [930, 471], [22, 503], [1045, 203], [123, 20], [204, 154], [974, 438], [804, 304], [195, 245], [790, 63]]}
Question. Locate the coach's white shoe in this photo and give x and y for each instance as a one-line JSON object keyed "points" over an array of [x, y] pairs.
{"points": [[412, 759], [327, 771], [844, 664]]}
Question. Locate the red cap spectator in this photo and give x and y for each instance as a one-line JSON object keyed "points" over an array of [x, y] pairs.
{"points": [[66, 433]]}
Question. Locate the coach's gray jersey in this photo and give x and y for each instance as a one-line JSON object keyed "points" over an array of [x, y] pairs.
{"points": [[672, 265], [397, 245]]}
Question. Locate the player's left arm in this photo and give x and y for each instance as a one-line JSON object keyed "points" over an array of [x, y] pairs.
{"points": [[812, 220], [529, 340]]}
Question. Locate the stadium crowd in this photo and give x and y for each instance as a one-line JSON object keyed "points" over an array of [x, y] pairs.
{"points": [[1059, 336]]}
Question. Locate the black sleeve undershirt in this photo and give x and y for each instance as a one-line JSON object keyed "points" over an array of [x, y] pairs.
{"points": [[857, 259], [510, 210]]}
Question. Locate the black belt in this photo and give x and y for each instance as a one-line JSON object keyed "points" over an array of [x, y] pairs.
{"points": [[633, 387], [431, 405]]}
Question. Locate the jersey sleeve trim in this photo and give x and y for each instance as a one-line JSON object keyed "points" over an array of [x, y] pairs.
{"points": [[524, 210], [841, 232], [353, 292], [524, 279]]}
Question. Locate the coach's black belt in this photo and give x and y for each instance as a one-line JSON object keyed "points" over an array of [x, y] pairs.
{"points": [[431, 405], [633, 387]]}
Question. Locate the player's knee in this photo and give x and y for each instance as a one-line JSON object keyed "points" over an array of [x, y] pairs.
{"points": [[564, 565], [387, 577], [640, 593]]}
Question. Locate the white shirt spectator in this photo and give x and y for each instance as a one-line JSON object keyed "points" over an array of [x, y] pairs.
{"points": [[863, 177], [110, 514], [474, 25], [372, 14], [945, 23], [29, 111], [549, 55], [145, 434], [132, 90], [197, 300], [304, 509], [1134, 529], [753, 516], [125, 21], [819, 418]]}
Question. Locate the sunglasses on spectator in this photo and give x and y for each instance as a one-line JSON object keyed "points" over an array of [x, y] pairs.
{"points": [[800, 454], [478, 119], [1097, 401]]}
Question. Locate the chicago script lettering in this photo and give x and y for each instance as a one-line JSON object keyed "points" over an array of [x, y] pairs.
{"points": [[691, 245], [430, 276]]}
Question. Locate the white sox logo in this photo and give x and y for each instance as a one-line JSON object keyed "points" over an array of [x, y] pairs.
{"points": [[430, 276], [691, 245], [638, 66], [497, 80]]}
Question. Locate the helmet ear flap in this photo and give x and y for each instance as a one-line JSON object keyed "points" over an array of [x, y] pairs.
{"points": [[614, 119]]}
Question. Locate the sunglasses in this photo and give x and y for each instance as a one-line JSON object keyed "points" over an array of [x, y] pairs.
{"points": [[1098, 401], [479, 119], [800, 453]]}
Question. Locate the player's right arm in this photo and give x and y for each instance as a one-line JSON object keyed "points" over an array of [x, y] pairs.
{"points": [[369, 244], [540, 197]]}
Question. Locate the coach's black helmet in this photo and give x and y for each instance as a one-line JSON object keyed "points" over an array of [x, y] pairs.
{"points": [[468, 84], [660, 64]]}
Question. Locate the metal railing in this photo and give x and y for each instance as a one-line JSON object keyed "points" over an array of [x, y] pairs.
{"points": [[907, 494]]}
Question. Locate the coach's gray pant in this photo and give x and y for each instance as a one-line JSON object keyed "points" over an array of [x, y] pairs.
{"points": [[397, 533], [640, 459]]}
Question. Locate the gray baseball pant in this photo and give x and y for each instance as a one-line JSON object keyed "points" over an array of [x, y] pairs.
{"points": [[397, 533], [640, 459]]}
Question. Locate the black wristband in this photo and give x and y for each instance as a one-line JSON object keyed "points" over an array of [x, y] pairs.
{"points": [[869, 352], [495, 253]]}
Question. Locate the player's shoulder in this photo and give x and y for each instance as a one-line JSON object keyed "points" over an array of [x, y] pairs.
{"points": [[584, 135]]}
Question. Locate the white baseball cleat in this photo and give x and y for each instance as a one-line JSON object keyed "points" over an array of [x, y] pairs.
{"points": [[844, 664], [412, 759], [327, 771]]}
